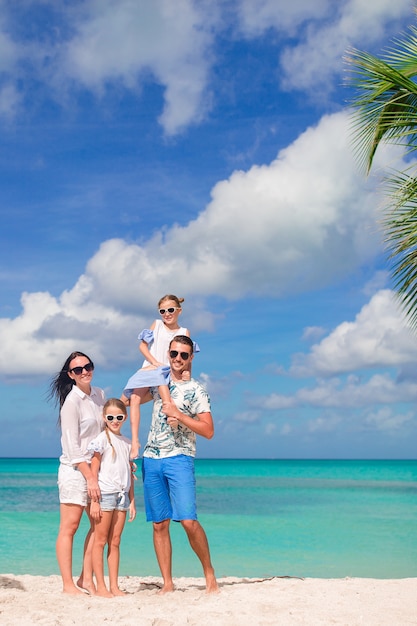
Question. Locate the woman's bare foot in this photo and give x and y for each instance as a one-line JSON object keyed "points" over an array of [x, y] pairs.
{"points": [[73, 590], [86, 587]]}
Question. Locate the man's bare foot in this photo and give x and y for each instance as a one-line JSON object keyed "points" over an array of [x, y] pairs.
{"points": [[167, 588], [211, 584], [86, 587]]}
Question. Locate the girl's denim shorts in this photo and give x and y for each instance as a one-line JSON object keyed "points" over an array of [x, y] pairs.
{"points": [[114, 501]]}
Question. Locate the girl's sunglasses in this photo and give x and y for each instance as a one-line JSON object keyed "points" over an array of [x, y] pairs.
{"points": [[119, 418], [79, 370], [171, 309]]}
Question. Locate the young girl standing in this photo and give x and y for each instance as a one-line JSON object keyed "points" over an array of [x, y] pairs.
{"points": [[154, 343], [110, 463]]}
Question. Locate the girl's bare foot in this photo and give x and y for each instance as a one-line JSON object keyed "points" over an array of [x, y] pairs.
{"points": [[117, 592], [104, 593]]}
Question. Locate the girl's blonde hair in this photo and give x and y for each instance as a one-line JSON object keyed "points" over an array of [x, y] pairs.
{"points": [[122, 407], [170, 296]]}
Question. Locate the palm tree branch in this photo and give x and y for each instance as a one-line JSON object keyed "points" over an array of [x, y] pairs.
{"points": [[385, 107]]}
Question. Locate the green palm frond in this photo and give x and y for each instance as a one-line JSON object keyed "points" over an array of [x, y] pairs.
{"points": [[400, 227], [385, 110], [385, 107]]}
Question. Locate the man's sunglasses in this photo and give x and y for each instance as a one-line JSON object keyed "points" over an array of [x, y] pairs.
{"points": [[184, 355], [119, 418], [79, 370], [171, 309]]}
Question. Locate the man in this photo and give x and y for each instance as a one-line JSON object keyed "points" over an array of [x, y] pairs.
{"points": [[168, 463]]}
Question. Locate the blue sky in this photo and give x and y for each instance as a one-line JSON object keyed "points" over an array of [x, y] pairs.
{"points": [[201, 149]]}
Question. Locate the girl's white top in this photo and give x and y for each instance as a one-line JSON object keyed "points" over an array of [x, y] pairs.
{"points": [[115, 472], [161, 340]]}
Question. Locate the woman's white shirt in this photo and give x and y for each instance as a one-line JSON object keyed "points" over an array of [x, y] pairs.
{"points": [[81, 421]]}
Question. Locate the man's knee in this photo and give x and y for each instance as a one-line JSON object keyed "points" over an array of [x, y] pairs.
{"points": [[161, 528], [191, 526]]}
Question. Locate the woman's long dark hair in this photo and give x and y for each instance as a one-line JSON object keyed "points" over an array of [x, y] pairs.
{"points": [[62, 384]]}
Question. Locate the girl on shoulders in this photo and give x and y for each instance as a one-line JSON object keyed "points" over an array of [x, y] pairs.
{"points": [[154, 343]]}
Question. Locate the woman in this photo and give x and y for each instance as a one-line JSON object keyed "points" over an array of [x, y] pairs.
{"points": [[80, 418]]}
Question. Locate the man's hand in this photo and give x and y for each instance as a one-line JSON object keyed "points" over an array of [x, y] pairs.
{"points": [[170, 409]]}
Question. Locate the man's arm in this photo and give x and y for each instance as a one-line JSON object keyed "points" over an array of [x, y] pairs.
{"points": [[201, 425]]}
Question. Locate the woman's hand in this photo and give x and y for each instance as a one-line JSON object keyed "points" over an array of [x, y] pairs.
{"points": [[95, 511], [93, 490], [134, 450]]}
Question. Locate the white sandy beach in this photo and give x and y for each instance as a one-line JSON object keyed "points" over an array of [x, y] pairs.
{"points": [[26, 600]]}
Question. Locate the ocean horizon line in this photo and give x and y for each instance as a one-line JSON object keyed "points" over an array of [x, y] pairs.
{"points": [[356, 459]]}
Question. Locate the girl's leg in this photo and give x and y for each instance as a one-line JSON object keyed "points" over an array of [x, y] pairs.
{"points": [[101, 537], [135, 402], [124, 399], [164, 393], [85, 580], [70, 516], [166, 397], [113, 555]]}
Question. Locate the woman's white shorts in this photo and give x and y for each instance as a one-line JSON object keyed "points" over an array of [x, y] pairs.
{"points": [[72, 486]]}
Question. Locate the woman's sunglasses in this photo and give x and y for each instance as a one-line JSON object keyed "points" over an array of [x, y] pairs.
{"points": [[79, 370], [184, 355], [119, 418], [171, 309]]}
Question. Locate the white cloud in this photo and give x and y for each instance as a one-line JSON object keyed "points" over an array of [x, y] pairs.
{"points": [[386, 419], [351, 393], [247, 417], [100, 43], [313, 333], [9, 57], [378, 337], [379, 281], [9, 100], [276, 402], [48, 328], [324, 31], [379, 389], [323, 424], [256, 16], [129, 43], [9, 51], [300, 223]]}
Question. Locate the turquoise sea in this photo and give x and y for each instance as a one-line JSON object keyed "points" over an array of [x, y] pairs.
{"points": [[326, 519]]}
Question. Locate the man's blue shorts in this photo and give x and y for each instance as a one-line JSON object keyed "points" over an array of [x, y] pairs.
{"points": [[169, 488]]}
